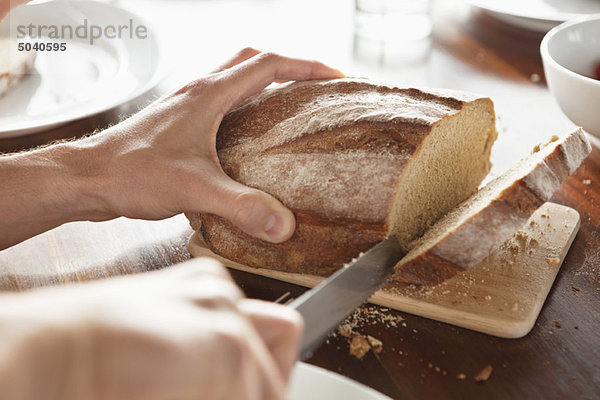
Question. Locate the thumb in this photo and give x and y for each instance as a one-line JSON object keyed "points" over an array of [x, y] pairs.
{"points": [[251, 210]]}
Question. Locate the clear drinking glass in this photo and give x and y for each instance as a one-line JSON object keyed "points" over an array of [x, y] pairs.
{"points": [[393, 20]]}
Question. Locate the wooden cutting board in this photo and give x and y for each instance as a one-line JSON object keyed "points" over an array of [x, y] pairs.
{"points": [[501, 296]]}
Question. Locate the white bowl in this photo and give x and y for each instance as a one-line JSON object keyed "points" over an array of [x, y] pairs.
{"points": [[570, 53]]}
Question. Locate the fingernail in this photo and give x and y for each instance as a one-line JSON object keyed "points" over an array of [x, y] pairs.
{"points": [[274, 225], [279, 227]]}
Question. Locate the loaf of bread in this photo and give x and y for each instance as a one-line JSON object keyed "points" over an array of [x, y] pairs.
{"points": [[354, 161], [14, 64], [478, 226]]}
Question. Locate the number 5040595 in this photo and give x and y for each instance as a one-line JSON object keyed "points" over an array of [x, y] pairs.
{"points": [[42, 46]]}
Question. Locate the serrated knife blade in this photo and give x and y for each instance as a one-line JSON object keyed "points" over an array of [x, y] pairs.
{"points": [[326, 305]]}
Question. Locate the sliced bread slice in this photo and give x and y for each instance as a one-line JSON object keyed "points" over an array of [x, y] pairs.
{"points": [[479, 225]]}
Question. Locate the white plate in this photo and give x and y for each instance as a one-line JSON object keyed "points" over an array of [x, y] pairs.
{"points": [[538, 15], [314, 383], [85, 79]]}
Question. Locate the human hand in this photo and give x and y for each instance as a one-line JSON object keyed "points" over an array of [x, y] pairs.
{"points": [[156, 164], [181, 333], [163, 160]]}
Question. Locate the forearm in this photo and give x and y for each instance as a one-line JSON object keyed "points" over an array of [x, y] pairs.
{"points": [[42, 189]]}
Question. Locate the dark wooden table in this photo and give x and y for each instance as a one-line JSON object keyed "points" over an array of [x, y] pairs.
{"points": [[421, 359]]}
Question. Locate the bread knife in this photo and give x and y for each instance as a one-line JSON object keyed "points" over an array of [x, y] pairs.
{"points": [[326, 305]]}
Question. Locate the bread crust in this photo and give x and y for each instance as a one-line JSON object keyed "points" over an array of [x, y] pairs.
{"points": [[332, 152], [316, 248]]}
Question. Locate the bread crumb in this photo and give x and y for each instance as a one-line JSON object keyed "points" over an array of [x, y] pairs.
{"points": [[430, 365], [553, 261], [557, 324], [366, 316], [376, 344], [535, 78], [522, 236], [462, 377], [437, 369], [484, 374], [587, 182], [359, 346], [345, 330], [488, 297], [514, 248]]}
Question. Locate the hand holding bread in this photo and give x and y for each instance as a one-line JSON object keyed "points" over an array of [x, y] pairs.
{"points": [[156, 164], [163, 160]]}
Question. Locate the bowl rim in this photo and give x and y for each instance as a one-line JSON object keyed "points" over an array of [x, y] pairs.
{"points": [[545, 53]]}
